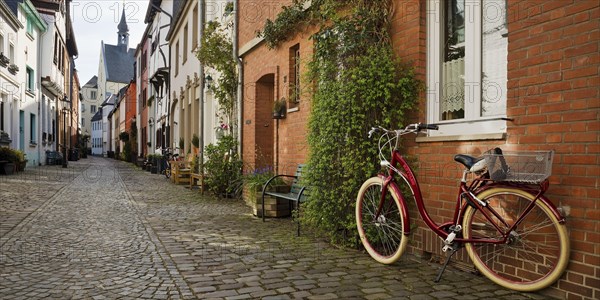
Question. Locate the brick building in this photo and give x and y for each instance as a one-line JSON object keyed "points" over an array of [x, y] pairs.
{"points": [[539, 91]]}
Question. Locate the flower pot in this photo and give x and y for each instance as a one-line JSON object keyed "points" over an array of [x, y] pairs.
{"points": [[21, 165], [278, 115], [7, 168]]}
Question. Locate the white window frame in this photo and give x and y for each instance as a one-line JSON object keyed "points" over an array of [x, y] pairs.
{"points": [[473, 125]]}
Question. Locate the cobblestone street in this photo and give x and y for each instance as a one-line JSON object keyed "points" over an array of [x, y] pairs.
{"points": [[104, 229]]}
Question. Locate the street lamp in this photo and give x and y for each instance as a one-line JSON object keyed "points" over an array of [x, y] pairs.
{"points": [[64, 160]]}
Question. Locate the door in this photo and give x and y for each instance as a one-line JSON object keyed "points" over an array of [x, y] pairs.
{"points": [[22, 130]]}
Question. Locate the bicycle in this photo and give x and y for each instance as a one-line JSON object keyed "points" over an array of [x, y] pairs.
{"points": [[168, 157], [513, 234]]}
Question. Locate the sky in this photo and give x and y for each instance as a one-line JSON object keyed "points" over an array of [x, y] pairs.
{"points": [[97, 20]]}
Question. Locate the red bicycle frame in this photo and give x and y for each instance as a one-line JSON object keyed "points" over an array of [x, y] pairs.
{"points": [[478, 185]]}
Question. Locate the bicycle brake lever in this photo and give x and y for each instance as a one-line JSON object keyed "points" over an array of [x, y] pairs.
{"points": [[373, 130]]}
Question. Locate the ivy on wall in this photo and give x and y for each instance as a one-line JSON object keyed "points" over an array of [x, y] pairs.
{"points": [[358, 85], [216, 52]]}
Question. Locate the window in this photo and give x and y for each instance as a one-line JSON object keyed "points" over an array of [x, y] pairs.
{"points": [[56, 48], [11, 53], [32, 128], [185, 43], [93, 109], [195, 27], [93, 94], [2, 113], [30, 26], [30, 80], [2, 44], [294, 91], [176, 58], [467, 66], [83, 122]]}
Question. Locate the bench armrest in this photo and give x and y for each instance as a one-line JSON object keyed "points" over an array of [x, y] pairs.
{"points": [[273, 178]]}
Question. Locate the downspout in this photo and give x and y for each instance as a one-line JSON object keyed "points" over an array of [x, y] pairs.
{"points": [[201, 96], [240, 70], [39, 89]]}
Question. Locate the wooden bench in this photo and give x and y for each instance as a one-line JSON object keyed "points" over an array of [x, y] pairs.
{"points": [[181, 169], [297, 194]]}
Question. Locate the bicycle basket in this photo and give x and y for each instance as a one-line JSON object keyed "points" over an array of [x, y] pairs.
{"points": [[527, 167]]}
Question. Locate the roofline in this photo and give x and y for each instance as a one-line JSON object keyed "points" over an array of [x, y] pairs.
{"points": [[37, 20], [13, 20], [176, 21]]}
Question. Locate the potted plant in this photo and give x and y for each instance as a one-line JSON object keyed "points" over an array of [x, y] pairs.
{"points": [[4, 61], [279, 108], [196, 144], [4, 138], [13, 69], [21, 161], [8, 158]]}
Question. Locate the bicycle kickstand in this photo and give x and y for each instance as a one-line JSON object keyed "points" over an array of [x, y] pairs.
{"points": [[454, 248]]}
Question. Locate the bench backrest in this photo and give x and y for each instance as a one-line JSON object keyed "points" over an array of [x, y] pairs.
{"points": [[296, 187]]}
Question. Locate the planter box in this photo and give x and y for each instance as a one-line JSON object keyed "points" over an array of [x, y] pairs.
{"points": [[274, 207]]}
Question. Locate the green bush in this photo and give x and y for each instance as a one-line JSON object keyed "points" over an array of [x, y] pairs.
{"points": [[223, 168], [8, 154]]}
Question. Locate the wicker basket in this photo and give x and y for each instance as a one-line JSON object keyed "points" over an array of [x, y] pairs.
{"points": [[527, 167]]}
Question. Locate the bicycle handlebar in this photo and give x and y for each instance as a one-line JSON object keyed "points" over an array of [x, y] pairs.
{"points": [[417, 127]]}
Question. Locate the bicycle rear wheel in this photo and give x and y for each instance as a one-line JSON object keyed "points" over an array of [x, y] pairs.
{"points": [[382, 235], [537, 250]]}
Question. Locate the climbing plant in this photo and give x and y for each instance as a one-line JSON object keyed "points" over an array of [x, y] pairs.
{"points": [[216, 52], [358, 85]]}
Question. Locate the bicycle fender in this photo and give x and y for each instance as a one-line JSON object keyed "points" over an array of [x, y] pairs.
{"points": [[555, 211], [403, 207]]}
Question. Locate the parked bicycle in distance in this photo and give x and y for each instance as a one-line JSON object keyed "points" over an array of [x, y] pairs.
{"points": [[513, 234], [168, 157]]}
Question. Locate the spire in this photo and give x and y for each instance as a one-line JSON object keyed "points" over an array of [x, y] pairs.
{"points": [[123, 31], [123, 28]]}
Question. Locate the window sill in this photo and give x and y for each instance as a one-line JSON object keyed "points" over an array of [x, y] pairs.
{"points": [[30, 93], [30, 36], [466, 137], [33, 144], [293, 109]]}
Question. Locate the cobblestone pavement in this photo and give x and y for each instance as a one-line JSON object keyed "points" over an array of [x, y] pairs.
{"points": [[103, 229]]}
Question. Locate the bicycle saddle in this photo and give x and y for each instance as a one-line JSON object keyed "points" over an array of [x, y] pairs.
{"points": [[472, 163]]}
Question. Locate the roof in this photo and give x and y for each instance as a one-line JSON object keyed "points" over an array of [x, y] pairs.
{"points": [[92, 83], [97, 116], [110, 100], [119, 63], [151, 10], [177, 11]]}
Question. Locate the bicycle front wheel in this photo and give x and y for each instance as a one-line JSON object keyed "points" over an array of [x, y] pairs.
{"points": [[537, 250], [381, 234], [167, 172]]}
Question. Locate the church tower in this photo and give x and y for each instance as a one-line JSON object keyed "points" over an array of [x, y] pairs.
{"points": [[123, 32]]}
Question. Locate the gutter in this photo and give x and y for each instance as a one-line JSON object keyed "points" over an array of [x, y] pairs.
{"points": [[240, 67]]}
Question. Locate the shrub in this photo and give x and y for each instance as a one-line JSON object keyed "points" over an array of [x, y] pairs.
{"points": [[8, 154], [223, 168]]}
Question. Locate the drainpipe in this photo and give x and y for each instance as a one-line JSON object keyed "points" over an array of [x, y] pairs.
{"points": [[240, 67], [201, 96]]}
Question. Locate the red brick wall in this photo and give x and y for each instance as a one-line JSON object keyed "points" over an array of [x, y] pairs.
{"points": [[130, 107], [553, 96]]}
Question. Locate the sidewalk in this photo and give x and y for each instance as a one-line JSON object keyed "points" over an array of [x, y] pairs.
{"points": [[112, 231]]}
